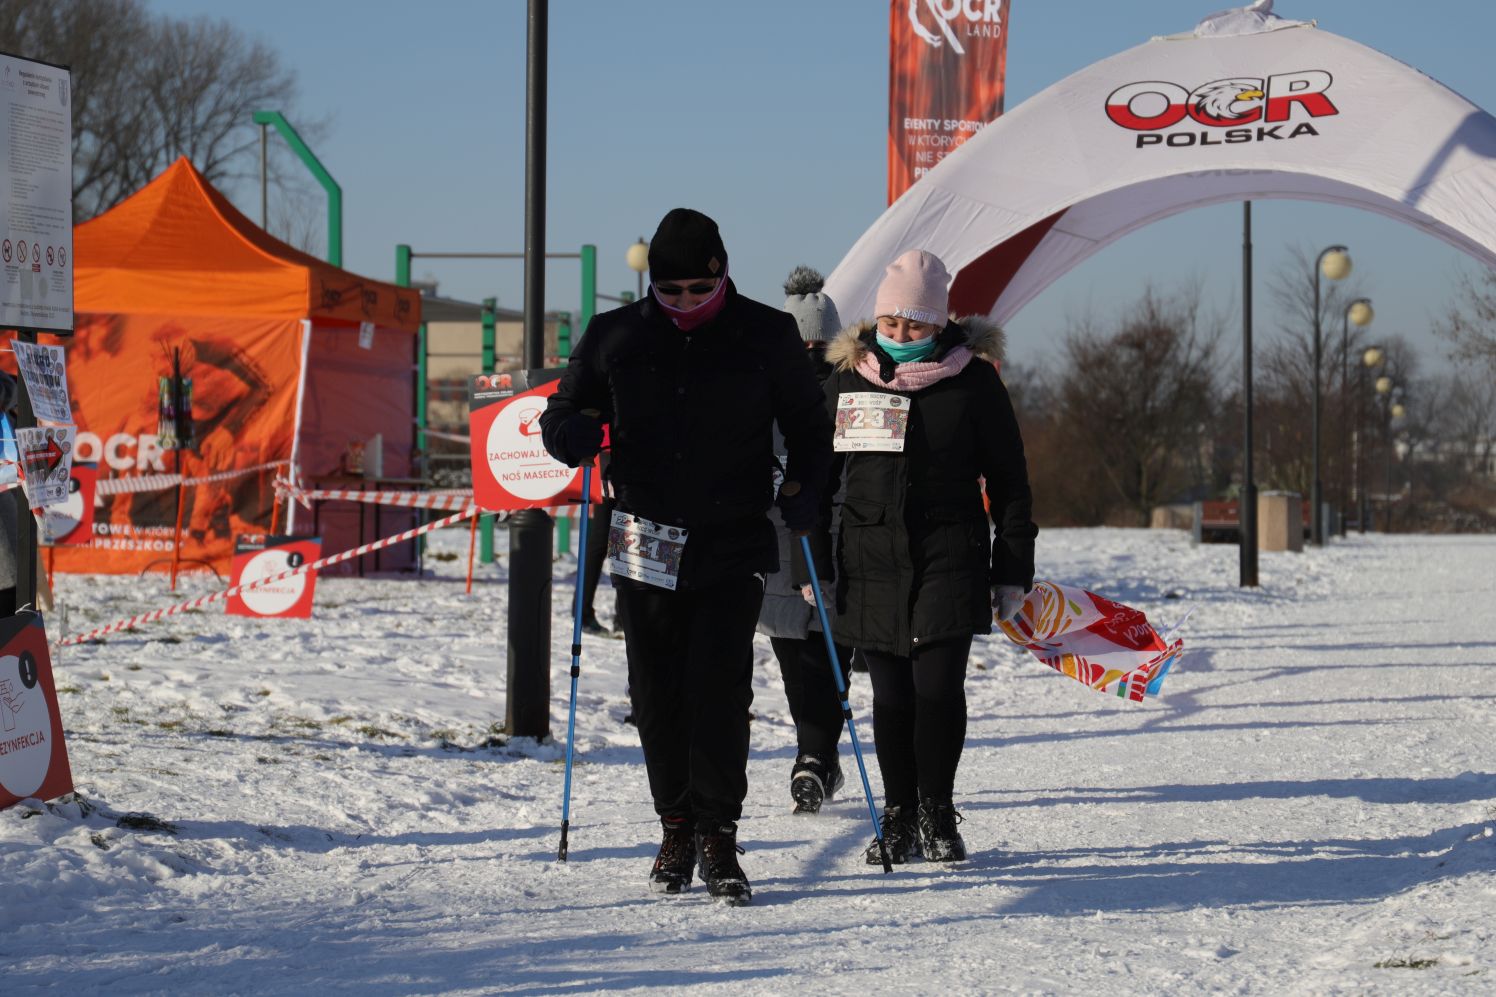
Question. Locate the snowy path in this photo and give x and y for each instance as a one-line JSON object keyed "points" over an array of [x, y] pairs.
{"points": [[1310, 798]]}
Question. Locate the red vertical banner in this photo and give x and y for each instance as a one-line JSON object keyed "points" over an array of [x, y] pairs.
{"points": [[947, 60]]}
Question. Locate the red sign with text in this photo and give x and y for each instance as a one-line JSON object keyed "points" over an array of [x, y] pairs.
{"points": [[256, 557], [511, 468], [33, 755]]}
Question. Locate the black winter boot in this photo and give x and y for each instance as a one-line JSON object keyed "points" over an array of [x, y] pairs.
{"points": [[900, 836], [813, 781], [672, 866], [937, 829], [724, 879]]}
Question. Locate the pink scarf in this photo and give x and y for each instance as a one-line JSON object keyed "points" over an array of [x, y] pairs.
{"points": [[916, 374], [689, 318]]}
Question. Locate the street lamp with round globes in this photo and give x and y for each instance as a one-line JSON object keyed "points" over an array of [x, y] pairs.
{"points": [[1398, 411], [1371, 359], [1384, 385], [638, 261], [1358, 312], [1335, 263]]}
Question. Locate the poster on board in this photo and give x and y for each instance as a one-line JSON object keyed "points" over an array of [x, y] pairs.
{"points": [[36, 196]]}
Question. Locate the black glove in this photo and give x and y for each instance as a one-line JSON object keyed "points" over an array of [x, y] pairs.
{"points": [[798, 506], [582, 438]]}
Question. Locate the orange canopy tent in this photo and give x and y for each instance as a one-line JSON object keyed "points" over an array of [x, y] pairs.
{"points": [[291, 359]]}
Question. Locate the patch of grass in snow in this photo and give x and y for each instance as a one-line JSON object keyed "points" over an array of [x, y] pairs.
{"points": [[134, 821], [442, 555], [369, 730], [218, 732], [171, 724], [263, 692], [68, 690], [133, 668], [1405, 964], [340, 719]]}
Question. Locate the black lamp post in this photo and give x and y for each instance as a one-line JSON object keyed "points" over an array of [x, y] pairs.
{"points": [[1359, 312], [1335, 263], [1370, 360]]}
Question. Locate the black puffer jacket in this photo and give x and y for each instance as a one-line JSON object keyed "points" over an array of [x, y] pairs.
{"points": [[692, 424], [915, 564]]}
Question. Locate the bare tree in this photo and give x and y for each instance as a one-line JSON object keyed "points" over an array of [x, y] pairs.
{"points": [[147, 89], [1137, 402], [1470, 325]]}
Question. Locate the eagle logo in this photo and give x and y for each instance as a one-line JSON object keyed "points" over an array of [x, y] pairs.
{"points": [[1228, 102]]}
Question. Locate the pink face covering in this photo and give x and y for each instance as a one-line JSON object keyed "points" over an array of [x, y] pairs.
{"points": [[687, 319]]}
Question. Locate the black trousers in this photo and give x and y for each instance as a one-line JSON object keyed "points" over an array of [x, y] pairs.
{"points": [[596, 553], [815, 704], [919, 720], [690, 656]]}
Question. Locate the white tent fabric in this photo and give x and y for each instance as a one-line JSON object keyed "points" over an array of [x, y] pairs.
{"points": [[1287, 111]]}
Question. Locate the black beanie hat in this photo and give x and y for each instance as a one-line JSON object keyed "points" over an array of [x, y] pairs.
{"points": [[687, 245]]}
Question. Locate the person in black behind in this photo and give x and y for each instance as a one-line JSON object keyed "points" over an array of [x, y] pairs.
{"points": [[690, 382]]}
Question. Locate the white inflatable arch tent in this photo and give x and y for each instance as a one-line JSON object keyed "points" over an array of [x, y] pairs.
{"points": [[1248, 106]]}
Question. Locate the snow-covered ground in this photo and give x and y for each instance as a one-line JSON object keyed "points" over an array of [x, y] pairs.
{"points": [[1308, 808]]}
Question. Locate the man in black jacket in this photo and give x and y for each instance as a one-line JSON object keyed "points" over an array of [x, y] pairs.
{"points": [[690, 382]]}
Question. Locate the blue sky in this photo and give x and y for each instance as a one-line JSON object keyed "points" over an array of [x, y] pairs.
{"points": [[771, 116]]}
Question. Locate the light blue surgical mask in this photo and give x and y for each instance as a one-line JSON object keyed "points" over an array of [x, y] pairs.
{"points": [[917, 349]]}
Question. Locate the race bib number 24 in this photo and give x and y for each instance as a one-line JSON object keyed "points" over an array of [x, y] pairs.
{"points": [[645, 551]]}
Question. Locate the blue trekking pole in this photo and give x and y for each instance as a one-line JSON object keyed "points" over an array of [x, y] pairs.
{"points": [[841, 689], [576, 654]]}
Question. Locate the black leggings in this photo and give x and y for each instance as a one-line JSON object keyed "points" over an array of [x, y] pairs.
{"points": [[815, 705], [919, 720]]}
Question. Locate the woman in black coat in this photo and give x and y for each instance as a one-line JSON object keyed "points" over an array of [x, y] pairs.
{"points": [[922, 421]]}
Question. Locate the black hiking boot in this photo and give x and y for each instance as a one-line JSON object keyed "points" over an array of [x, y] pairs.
{"points": [[724, 879], [812, 781], [677, 857], [591, 625], [937, 831], [900, 836]]}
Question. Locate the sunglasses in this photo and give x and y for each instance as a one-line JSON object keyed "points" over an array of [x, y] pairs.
{"points": [[673, 289]]}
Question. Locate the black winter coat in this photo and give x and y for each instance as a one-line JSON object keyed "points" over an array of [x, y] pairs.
{"points": [[692, 424], [917, 558]]}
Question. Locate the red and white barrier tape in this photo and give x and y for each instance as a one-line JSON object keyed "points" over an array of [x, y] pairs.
{"points": [[368, 548], [454, 499], [161, 482], [454, 437]]}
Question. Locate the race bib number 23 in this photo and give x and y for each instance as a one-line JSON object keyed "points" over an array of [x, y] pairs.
{"points": [[871, 420]]}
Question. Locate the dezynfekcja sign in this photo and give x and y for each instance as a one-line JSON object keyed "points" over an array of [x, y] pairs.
{"points": [[946, 63], [36, 196], [33, 755]]}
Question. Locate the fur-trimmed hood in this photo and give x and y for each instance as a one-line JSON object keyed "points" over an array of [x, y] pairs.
{"points": [[984, 337]]}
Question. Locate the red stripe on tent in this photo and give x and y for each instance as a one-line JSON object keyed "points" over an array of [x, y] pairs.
{"points": [[982, 281]]}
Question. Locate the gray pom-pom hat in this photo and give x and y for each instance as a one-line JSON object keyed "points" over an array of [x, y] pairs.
{"points": [[814, 312]]}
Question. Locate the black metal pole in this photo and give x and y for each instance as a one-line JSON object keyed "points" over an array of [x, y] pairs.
{"points": [[531, 531], [26, 549], [1247, 513], [1316, 488], [1345, 418], [1363, 506], [1387, 493]]}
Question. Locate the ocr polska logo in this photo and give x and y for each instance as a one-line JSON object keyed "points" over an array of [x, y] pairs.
{"points": [[983, 19], [1152, 106]]}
